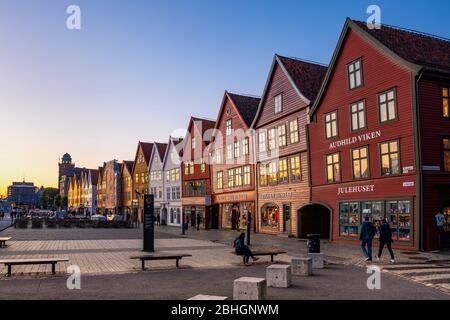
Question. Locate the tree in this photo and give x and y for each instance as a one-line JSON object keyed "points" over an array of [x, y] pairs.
{"points": [[58, 201], [47, 198], [65, 202]]}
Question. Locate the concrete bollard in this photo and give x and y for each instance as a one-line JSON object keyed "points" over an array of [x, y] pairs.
{"points": [[317, 260], [279, 276], [207, 297], [302, 266], [248, 288]]}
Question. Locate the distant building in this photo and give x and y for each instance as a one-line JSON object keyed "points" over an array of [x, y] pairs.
{"points": [[109, 186], [66, 170], [23, 194]]}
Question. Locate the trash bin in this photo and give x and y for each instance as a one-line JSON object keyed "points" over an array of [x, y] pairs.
{"points": [[313, 243]]}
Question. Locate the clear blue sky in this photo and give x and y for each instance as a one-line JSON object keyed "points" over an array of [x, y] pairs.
{"points": [[138, 69]]}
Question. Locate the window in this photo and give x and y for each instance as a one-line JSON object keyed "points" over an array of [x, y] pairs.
{"points": [[168, 193], [219, 156], [446, 145], [387, 106], [273, 176], [142, 177], [186, 168], [390, 158], [191, 167], [445, 102], [283, 171], [228, 128], [177, 193], [229, 151], [177, 174], [167, 176], [262, 141], [263, 174], [159, 175], [271, 139], [230, 178], [349, 219], [358, 114], [293, 131], [236, 149], [269, 216], [398, 214], [296, 174], [219, 180], [333, 168], [278, 100], [193, 143], [282, 140], [173, 193], [137, 178], [238, 177], [360, 163], [203, 166], [245, 147], [355, 74], [247, 175], [331, 129]]}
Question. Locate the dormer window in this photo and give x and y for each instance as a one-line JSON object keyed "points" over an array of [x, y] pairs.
{"points": [[355, 74], [278, 100]]}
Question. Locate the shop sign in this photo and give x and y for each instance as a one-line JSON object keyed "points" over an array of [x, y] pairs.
{"points": [[408, 169], [278, 195], [360, 138], [233, 197], [356, 189], [431, 168], [408, 184]]}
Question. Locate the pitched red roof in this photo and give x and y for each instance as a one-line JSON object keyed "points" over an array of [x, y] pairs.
{"points": [[307, 76], [246, 105], [206, 123], [147, 149], [430, 52]]}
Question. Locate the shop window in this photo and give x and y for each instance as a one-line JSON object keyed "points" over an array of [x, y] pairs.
{"points": [[349, 219], [295, 167], [269, 216], [446, 148], [283, 171], [446, 102], [247, 175], [354, 70], [231, 178], [262, 141], [387, 106], [228, 128], [273, 172], [358, 115], [398, 214], [263, 174], [271, 139], [219, 180], [331, 127], [360, 163], [373, 210], [278, 101], [245, 147], [293, 131], [238, 177], [390, 158], [282, 139], [333, 168]]}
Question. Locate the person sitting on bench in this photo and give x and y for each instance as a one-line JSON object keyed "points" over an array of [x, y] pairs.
{"points": [[243, 250]]}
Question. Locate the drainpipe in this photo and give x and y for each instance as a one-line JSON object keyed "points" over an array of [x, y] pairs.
{"points": [[419, 163]]}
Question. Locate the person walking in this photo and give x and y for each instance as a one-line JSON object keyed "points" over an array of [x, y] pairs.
{"points": [[199, 220], [242, 250], [385, 239], [158, 219], [366, 234], [440, 219]]}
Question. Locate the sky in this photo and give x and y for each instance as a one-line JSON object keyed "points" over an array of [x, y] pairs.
{"points": [[137, 70]]}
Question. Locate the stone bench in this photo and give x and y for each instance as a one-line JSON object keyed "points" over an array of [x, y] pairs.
{"points": [[317, 260], [302, 266], [248, 288], [279, 276]]}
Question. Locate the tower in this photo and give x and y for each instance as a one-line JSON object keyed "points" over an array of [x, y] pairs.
{"points": [[65, 166]]}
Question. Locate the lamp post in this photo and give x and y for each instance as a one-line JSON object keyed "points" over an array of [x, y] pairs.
{"points": [[182, 222], [249, 222]]}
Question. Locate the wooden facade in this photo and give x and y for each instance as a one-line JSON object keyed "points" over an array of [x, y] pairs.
{"points": [[140, 179], [127, 188], [281, 144], [232, 174]]}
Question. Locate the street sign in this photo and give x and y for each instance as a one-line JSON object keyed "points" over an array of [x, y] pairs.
{"points": [[149, 223]]}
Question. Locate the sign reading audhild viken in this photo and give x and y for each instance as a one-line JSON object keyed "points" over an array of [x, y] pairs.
{"points": [[360, 138]]}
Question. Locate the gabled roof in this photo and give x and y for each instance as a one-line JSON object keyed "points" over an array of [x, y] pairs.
{"points": [[161, 148], [147, 148], [206, 124], [305, 76], [413, 50], [128, 165], [245, 105], [175, 142], [94, 176]]}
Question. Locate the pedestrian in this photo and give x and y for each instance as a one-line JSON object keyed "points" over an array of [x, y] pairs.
{"points": [[385, 239], [158, 219], [366, 234], [242, 250], [199, 220], [440, 219]]}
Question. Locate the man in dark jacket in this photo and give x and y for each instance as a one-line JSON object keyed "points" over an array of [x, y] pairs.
{"points": [[385, 239], [366, 235]]}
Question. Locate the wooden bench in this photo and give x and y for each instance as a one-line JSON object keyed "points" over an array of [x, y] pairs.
{"points": [[17, 262], [3, 241], [161, 256], [264, 252]]}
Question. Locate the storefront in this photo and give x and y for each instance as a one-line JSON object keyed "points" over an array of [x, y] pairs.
{"points": [[234, 209], [174, 216], [197, 206]]}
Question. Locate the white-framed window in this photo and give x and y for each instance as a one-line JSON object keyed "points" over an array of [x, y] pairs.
{"points": [[219, 180], [229, 151], [271, 139], [228, 127], [247, 176], [293, 131], [219, 156], [236, 149], [387, 106], [230, 178], [358, 115], [193, 143], [331, 127], [355, 79], [262, 141], [282, 139], [278, 101], [238, 177], [245, 147]]}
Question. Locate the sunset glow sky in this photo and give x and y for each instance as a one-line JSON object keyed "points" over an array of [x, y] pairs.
{"points": [[138, 69]]}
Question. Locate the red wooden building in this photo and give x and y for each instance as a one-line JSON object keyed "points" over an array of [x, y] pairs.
{"points": [[379, 136], [195, 173]]}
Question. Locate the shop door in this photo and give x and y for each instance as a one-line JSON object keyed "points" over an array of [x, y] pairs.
{"points": [[215, 217], [193, 217], [287, 218]]}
